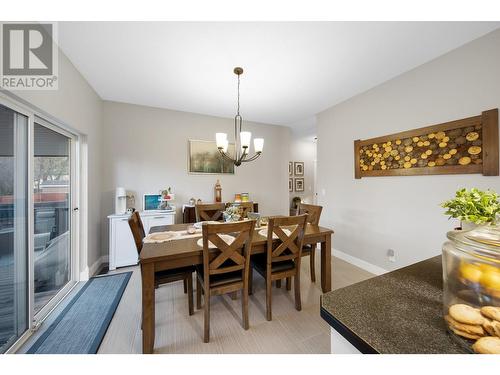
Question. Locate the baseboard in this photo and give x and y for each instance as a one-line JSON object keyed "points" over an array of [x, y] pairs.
{"points": [[372, 268], [94, 268]]}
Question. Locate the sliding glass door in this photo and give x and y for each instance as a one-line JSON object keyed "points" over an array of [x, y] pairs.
{"points": [[38, 219], [13, 226], [51, 213]]}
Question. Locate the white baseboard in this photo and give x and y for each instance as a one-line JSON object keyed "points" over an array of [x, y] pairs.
{"points": [[372, 268], [94, 268]]}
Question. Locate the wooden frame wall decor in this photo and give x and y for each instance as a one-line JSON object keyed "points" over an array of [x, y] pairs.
{"points": [[469, 145], [298, 168], [299, 185], [290, 168], [290, 184]]}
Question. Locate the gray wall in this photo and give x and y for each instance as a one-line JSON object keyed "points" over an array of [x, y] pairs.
{"points": [[78, 105], [145, 149], [303, 148], [372, 215]]}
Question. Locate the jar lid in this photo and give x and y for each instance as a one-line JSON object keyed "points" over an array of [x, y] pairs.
{"points": [[484, 239]]}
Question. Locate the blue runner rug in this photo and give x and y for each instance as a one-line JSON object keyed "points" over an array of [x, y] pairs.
{"points": [[81, 326]]}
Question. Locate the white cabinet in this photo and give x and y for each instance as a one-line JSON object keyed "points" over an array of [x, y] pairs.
{"points": [[122, 250]]}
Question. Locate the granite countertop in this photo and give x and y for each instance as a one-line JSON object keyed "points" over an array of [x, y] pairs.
{"points": [[398, 312]]}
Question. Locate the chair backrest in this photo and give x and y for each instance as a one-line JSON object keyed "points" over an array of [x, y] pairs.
{"points": [[286, 246], [227, 257], [313, 212], [209, 211], [137, 229], [246, 207]]}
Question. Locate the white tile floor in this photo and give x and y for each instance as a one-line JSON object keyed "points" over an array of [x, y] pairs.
{"points": [[290, 331]]}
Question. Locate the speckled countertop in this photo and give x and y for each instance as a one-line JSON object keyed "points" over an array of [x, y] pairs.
{"points": [[398, 312]]}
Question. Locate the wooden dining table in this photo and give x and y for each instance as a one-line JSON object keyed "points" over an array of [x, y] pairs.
{"points": [[184, 252]]}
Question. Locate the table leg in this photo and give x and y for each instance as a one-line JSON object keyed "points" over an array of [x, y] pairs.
{"points": [[148, 307], [326, 264]]}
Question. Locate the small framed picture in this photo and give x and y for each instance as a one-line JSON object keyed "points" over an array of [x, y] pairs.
{"points": [[299, 185], [298, 168], [290, 184], [290, 168]]}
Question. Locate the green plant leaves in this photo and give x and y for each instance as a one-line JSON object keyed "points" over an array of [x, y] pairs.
{"points": [[479, 207]]}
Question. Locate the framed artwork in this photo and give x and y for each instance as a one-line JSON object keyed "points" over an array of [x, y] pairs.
{"points": [[298, 168], [299, 185], [290, 168], [204, 158], [290, 184], [468, 145]]}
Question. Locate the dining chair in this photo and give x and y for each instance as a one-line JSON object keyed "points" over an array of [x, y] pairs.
{"points": [[163, 277], [313, 214], [285, 237], [225, 266], [246, 207], [209, 211]]}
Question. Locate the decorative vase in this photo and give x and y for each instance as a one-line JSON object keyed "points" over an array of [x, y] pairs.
{"points": [[468, 225]]}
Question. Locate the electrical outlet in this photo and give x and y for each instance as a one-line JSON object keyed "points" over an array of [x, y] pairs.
{"points": [[391, 255]]}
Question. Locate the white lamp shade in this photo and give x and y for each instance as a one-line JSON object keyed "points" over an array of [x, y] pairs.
{"points": [[245, 138], [220, 139], [258, 144]]}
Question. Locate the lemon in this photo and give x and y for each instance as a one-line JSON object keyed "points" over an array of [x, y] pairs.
{"points": [[471, 272], [490, 280], [488, 267]]}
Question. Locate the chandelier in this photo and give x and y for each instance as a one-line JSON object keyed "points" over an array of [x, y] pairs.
{"points": [[241, 139]]}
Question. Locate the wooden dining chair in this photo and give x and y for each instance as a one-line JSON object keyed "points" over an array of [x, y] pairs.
{"points": [[209, 211], [225, 268], [246, 208], [313, 214], [163, 277], [282, 257]]}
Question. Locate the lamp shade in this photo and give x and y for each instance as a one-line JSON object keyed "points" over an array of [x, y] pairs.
{"points": [[258, 144], [220, 139], [245, 138]]}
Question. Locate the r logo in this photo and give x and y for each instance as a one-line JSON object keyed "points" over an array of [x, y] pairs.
{"points": [[27, 49]]}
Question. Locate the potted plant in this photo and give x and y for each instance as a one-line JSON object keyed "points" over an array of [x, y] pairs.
{"points": [[473, 207], [166, 194]]}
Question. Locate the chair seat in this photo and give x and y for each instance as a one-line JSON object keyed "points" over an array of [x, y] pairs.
{"points": [[177, 273], [221, 279], [259, 262]]}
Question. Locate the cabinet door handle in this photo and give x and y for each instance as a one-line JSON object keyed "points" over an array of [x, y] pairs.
{"points": [[124, 219], [159, 217]]}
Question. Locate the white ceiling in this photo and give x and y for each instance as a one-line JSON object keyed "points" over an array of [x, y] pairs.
{"points": [[292, 70]]}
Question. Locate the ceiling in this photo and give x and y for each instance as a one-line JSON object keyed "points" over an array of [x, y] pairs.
{"points": [[293, 70]]}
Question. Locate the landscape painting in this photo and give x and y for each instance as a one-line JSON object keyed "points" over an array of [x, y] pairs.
{"points": [[205, 158]]}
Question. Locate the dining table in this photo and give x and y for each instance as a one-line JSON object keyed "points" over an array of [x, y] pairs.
{"points": [[160, 256]]}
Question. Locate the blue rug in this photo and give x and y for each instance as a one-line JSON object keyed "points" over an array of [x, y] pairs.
{"points": [[81, 326]]}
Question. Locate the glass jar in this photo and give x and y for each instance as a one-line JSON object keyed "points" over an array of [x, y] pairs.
{"points": [[471, 276]]}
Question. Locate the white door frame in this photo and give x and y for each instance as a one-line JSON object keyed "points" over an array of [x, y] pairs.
{"points": [[77, 220]]}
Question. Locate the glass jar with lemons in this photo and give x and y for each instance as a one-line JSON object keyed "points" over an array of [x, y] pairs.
{"points": [[471, 288]]}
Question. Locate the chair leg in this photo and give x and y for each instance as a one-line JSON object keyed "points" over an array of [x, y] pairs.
{"points": [[190, 293], [269, 315], [198, 294], [185, 286], [288, 283], [206, 325], [244, 307], [296, 287], [313, 264], [250, 281], [278, 283]]}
